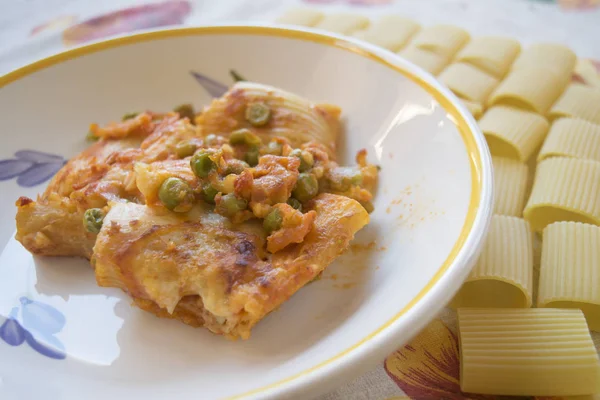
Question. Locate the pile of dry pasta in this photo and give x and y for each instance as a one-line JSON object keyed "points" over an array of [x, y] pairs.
{"points": [[543, 130]]}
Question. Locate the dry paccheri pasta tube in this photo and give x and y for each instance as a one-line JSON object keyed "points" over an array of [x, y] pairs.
{"points": [[533, 89], [503, 274], [513, 133], [442, 39], [510, 186], [468, 82], [571, 137], [565, 189], [301, 16], [570, 269], [527, 352], [493, 55], [431, 62], [343, 23], [475, 108], [391, 32], [555, 57], [578, 101]]}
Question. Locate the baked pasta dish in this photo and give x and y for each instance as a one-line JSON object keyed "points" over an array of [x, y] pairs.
{"points": [[215, 218]]}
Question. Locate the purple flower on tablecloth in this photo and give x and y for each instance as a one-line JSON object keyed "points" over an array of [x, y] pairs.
{"points": [[128, 20], [30, 167], [39, 323]]}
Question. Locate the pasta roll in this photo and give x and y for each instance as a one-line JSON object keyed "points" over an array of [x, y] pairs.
{"points": [[475, 108], [493, 55], [391, 32], [503, 274], [343, 23], [532, 89], [468, 82], [510, 186], [431, 62], [442, 39], [565, 189], [533, 352], [578, 101], [513, 133], [301, 17], [570, 269], [558, 58], [311, 122], [569, 137]]}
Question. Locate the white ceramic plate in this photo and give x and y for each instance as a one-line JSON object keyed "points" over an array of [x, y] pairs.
{"points": [[62, 337]]}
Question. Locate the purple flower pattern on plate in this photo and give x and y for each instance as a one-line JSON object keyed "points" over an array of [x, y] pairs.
{"points": [[213, 87], [39, 323], [30, 167]]}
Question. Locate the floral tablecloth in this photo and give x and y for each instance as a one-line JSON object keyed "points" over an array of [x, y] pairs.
{"points": [[427, 367]]}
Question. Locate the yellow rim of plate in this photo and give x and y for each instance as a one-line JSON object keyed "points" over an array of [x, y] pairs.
{"points": [[461, 123]]}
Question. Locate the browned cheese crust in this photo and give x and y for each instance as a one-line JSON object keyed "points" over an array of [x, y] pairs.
{"points": [[209, 272]]}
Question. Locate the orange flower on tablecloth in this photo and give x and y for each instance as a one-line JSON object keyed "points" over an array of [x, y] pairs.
{"points": [[128, 20], [579, 4], [429, 366], [57, 23]]}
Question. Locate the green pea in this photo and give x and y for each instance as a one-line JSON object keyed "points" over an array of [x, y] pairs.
{"points": [[236, 167], [356, 179], [295, 203], [210, 139], [252, 156], [244, 136], [273, 221], [209, 193], [176, 194], [258, 114], [185, 149], [91, 137], [92, 219], [129, 116], [202, 164], [306, 187], [186, 111], [306, 159], [274, 148], [230, 204]]}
